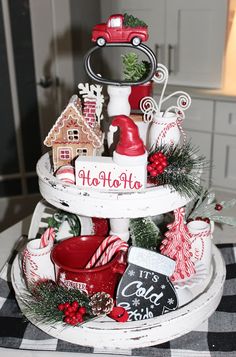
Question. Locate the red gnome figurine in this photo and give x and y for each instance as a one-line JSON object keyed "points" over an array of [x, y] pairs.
{"points": [[130, 149]]}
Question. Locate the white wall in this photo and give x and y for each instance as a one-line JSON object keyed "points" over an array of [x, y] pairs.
{"points": [[84, 15]]}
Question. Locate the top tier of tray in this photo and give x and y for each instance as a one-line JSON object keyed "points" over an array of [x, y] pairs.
{"points": [[107, 204]]}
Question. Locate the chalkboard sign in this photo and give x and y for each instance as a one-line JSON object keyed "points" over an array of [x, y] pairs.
{"points": [[145, 290]]}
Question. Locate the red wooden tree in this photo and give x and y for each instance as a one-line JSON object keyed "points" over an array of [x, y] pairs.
{"points": [[177, 246]]}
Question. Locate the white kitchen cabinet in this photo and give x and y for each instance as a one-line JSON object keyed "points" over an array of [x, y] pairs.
{"points": [[225, 118], [224, 154], [200, 115], [195, 41], [188, 36]]}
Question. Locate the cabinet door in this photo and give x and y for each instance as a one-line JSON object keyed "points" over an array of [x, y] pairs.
{"points": [[225, 118], [195, 39], [224, 169], [200, 115], [152, 12]]}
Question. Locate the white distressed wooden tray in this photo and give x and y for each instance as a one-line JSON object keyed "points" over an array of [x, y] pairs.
{"points": [[105, 333], [106, 204]]}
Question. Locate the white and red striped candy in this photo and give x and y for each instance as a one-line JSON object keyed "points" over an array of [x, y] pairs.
{"points": [[105, 243], [47, 237], [66, 174], [110, 252], [104, 253]]}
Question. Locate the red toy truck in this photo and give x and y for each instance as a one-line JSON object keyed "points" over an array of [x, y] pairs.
{"points": [[115, 30]]}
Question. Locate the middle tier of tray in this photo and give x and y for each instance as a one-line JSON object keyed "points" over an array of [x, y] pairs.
{"points": [[106, 204]]}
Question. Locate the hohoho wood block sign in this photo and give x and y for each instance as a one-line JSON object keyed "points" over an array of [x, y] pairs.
{"points": [[145, 290], [102, 173]]}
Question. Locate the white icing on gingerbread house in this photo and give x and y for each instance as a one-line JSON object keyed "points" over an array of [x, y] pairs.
{"points": [[72, 135], [89, 111]]}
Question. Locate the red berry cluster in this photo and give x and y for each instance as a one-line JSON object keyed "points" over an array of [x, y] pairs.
{"points": [[157, 163], [218, 207], [205, 219], [73, 313]]}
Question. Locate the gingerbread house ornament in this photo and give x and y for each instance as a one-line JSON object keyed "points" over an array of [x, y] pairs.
{"points": [[77, 130]]}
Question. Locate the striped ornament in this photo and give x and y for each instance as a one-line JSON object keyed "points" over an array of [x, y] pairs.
{"points": [[66, 174]]}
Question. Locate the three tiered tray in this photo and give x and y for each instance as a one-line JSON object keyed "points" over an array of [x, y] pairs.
{"points": [[104, 332], [198, 297]]}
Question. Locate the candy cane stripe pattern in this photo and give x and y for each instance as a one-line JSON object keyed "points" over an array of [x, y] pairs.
{"points": [[105, 243], [47, 237], [111, 250], [66, 173]]}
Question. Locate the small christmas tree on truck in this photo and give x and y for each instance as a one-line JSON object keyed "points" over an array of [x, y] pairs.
{"points": [[131, 21]]}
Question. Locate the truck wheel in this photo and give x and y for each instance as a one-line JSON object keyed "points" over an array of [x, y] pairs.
{"points": [[136, 41], [101, 41]]}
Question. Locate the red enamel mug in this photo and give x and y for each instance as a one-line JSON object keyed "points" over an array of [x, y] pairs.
{"points": [[70, 257]]}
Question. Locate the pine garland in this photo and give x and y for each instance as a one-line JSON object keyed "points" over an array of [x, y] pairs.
{"points": [[42, 303], [183, 169], [206, 207], [59, 217], [144, 233], [131, 21]]}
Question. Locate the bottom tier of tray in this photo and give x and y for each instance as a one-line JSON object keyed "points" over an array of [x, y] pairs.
{"points": [[105, 333]]}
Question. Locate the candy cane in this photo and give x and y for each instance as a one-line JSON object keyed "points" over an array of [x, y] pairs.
{"points": [[105, 243], [47, 237], [111, 250]]}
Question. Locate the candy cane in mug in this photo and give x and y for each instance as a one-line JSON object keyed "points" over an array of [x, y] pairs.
{"points": [[105, 243], [47, 237], [111, 250]]}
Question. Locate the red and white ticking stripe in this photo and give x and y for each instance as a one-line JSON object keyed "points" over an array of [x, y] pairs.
{"points": [[66, 174]]}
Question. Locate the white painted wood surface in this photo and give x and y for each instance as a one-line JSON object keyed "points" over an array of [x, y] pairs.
{"points": [[104, 332], [107, 204]]}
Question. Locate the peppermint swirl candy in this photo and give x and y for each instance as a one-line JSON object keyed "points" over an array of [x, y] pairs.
{"points": [[149, 108]]}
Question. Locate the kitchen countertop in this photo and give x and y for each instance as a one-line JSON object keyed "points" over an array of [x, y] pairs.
{"points": [[222, 94]]}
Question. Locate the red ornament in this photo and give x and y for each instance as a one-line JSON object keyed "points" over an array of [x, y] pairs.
{"points": [[218, 207], [100, 226]]}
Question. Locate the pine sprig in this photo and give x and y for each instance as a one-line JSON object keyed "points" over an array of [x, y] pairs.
{"points": [[59, 217], [183, 169], [42, 303], [205, 207], [131, 21]]}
